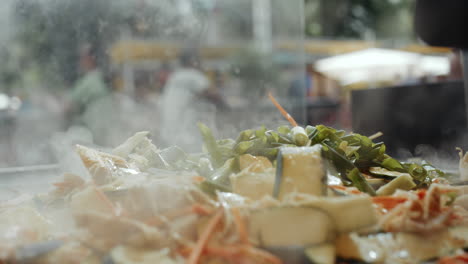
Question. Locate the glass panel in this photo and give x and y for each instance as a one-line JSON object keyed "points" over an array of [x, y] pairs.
{"points": [[99, 70]]}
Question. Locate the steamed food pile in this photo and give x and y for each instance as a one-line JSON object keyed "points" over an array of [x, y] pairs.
{"points": [[322, 194]]}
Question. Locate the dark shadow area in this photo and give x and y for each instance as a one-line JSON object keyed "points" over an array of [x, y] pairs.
{"points": [[410, 116]]}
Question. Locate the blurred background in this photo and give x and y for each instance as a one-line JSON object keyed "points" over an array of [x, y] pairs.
{"points": [[97, 71]]}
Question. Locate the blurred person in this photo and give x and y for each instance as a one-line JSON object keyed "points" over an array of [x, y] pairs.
{"points": [[456, 68], [90, 87], [411, 76], [186, 100], [321, 107], [303, 86], [162, 76], [90, 104]]}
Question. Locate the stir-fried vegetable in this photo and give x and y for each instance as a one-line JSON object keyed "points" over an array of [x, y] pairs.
{"points": [[351, 154], [135, 210]]}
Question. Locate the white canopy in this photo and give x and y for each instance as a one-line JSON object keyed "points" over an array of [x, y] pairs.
{"points": [[372, 65]]}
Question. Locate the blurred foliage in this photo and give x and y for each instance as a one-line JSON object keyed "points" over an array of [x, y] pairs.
{"points": [[381, 19], [51, 32], [256, 70]]}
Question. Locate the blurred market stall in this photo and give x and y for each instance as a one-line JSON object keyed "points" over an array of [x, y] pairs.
{"points": [[378, 65]]}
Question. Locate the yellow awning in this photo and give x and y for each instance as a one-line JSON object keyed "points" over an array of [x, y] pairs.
{"points": [[424, 49], [149, 50], [140, 50], [327, 47]]}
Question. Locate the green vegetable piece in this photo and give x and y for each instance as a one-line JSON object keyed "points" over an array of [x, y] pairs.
{"points": [[392, 164], [243, 147], [299, 136], [284, 139], [272, 136], [221, 175], [403, 182], [432, 171], [245, 135], [211, 187], [365, 141], [347, 170], [283, 129], [310, 131], [270, 153], [260, 132], [384, 173], [211, 146], [417, 171], [360, 182], [204, 167]]}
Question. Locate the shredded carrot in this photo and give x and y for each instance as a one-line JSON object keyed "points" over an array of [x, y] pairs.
{"points": [[283, 112], [196, 208], [388, 202], [226, 252], [346, 189], [235, 253], [337, 187], [106, 200], [460, 259], [201, 209], [264, 255], [198, 179], [240, 226], [60, 184], [204, 238], [421, 194], [184, 251]]}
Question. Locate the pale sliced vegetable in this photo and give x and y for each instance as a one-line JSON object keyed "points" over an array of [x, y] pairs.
{"points": [[299, 136], [395, 247], [376, 183], [421, 248], [254, 163], [128, 147], [140, 151], [348, 213], [368, 249], [129, 255], [254, 185], [22, 225], [300, 170], [382, 172], [462, 201], [403, 182], [460, 233], [321, 254], [463, 165], [291, 226], [100, 165], [90, 200]]}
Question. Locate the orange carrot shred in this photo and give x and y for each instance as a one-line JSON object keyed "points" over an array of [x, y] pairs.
{"points": [[283, 112], [235, 253], [196, 208], [204, 238], [198, 179], [388, 202], [264, 255], [240, 226], [201, 209], [106, 200], [226, 252]]}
